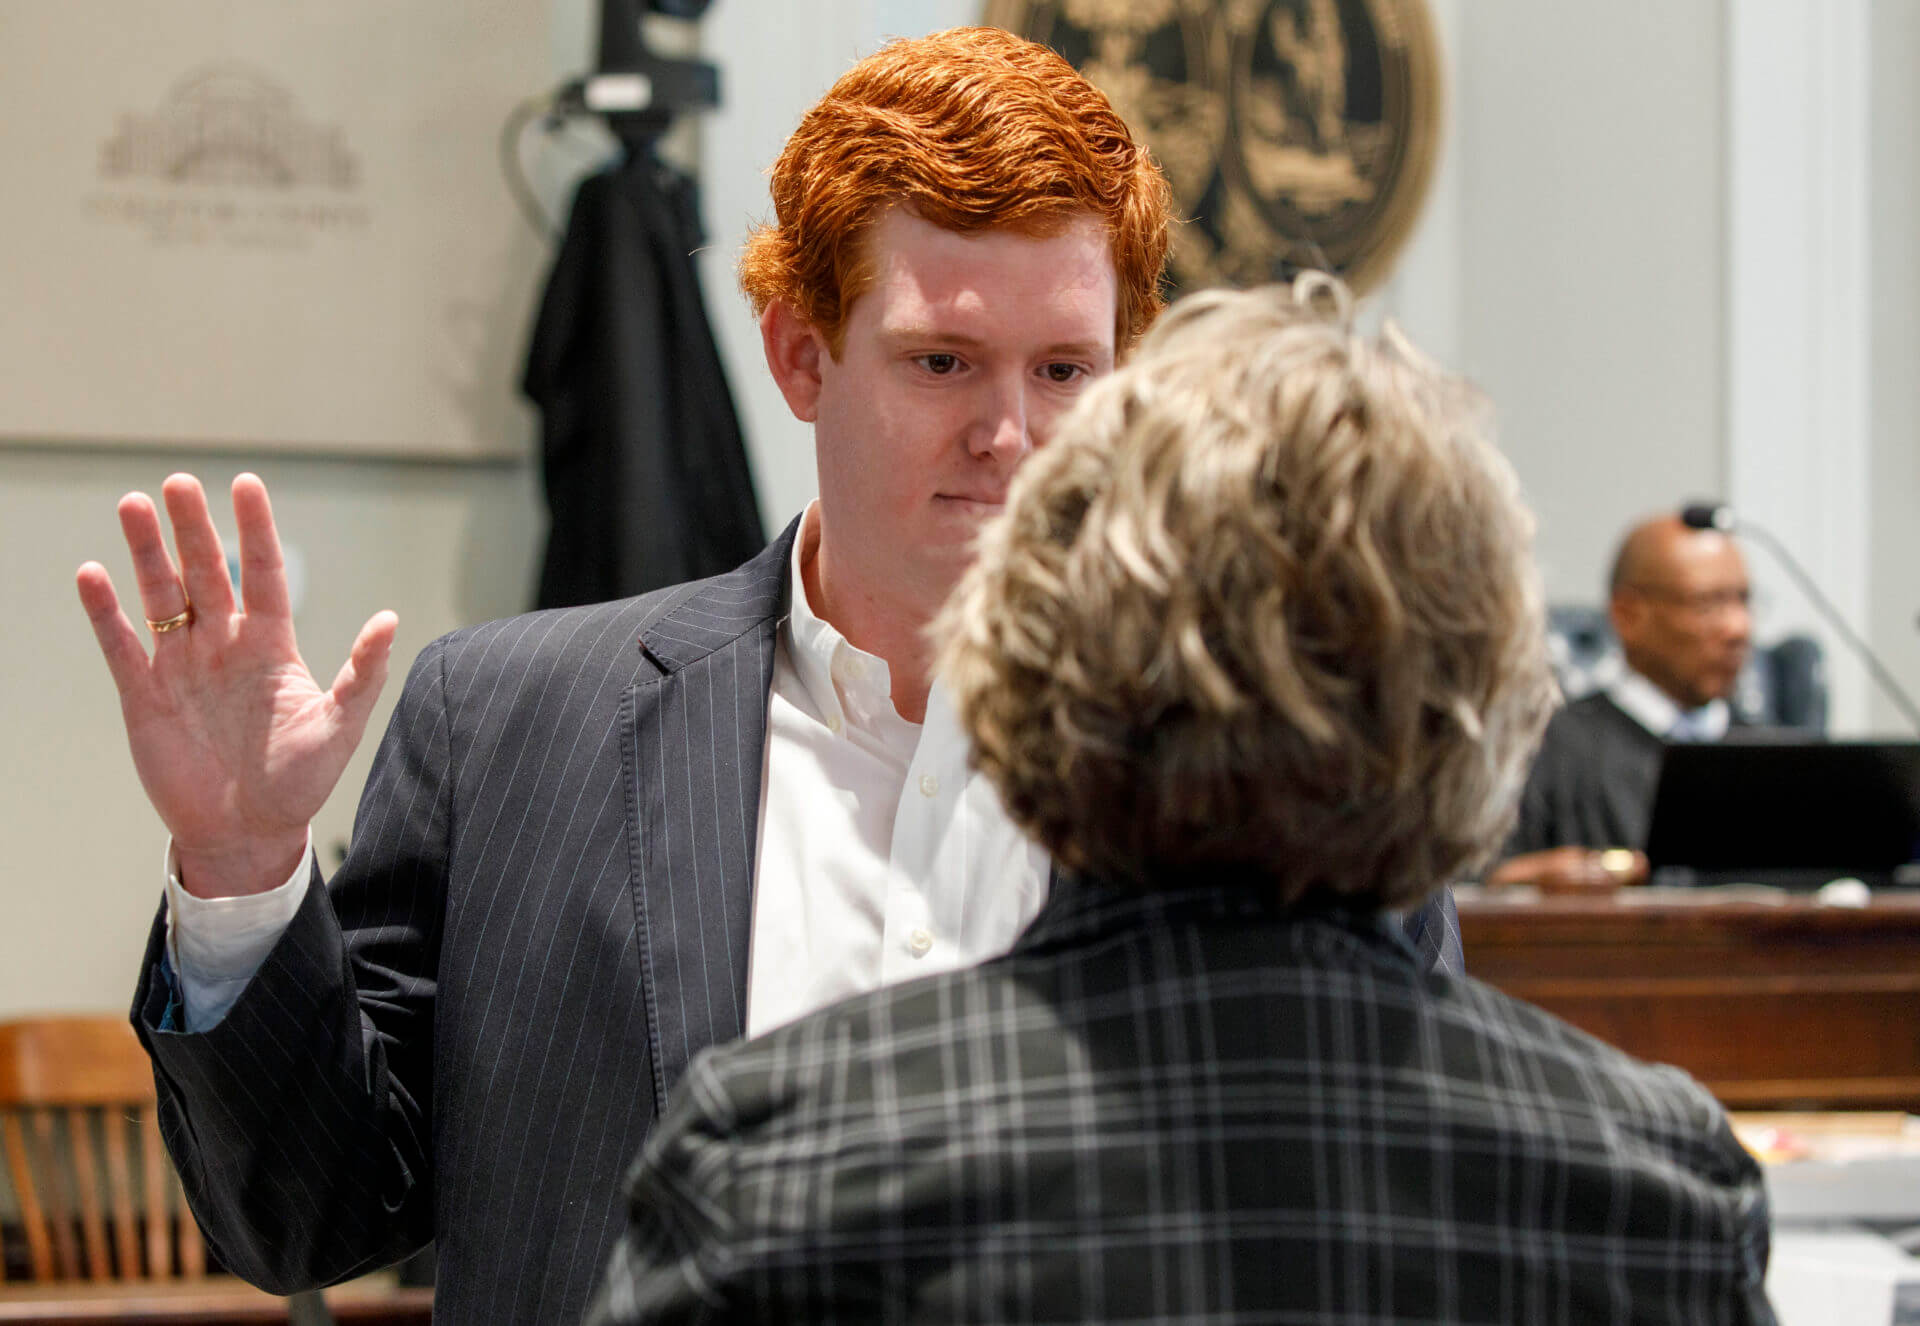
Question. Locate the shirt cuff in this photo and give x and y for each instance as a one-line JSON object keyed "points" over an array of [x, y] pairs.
{"points": [[216, 945]]}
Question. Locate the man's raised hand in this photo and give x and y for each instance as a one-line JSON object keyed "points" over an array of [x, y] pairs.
{"points": [[235, 743]]}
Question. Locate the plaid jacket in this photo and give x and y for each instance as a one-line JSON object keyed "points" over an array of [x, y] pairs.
{"points": [[1185, 1108]]}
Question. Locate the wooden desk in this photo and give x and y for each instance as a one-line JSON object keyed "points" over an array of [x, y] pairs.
{"points": [[218, 1301], [1783, 1003]]}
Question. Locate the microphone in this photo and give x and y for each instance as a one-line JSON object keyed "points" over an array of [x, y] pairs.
{"points": [[1709, 515], [1719, 516]]}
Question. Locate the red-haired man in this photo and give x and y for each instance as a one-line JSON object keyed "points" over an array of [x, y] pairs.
{"points": [[599, 839]]}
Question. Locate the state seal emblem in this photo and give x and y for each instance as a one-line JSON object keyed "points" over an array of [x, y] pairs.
{"points": [[1296, 133]]}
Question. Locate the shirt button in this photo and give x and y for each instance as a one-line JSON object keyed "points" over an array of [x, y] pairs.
{"points": [[929, 785], [833, 723], [856, 667], [919, 942]]}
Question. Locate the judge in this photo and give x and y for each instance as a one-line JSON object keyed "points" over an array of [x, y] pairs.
{"points": [[1678, 601]]}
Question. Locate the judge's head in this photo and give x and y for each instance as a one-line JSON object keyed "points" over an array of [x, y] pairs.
{"points": [[1265, 610], [1679, 604], [964, 235]]}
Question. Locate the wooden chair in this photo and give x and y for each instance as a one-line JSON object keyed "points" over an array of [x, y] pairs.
{"points": [[76, 1103]]}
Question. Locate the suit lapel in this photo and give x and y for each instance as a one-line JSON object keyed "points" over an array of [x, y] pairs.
{"points": [[695, 737]]}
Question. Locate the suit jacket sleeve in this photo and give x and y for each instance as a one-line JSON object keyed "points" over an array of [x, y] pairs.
{"points": [[299, 1123], [1434, 928]]}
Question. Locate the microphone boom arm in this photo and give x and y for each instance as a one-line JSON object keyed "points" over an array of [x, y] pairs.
{"points": [[1875, 668]]}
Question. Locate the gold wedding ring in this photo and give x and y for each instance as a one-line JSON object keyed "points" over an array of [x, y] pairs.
{"points": [[1617, 863], [182, 618]]}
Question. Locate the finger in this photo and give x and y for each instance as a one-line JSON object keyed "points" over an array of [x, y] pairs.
{"points": [[203, 562], [119, 642], [263, 572], [161, 593], [358, 683]]}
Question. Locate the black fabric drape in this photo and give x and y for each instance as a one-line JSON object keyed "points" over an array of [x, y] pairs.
{"points": [[646, 475]]}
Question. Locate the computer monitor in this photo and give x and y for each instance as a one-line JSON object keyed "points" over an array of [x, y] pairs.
{"points": [[1789, 812]]}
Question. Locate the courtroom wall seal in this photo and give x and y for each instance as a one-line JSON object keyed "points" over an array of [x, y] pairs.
{"points": [[1296, 133]]}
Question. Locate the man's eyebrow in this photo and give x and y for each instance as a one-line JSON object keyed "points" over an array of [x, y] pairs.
{"points": [[1084, 349], [920, 334]]}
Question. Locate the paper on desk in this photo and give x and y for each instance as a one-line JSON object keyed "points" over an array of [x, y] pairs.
{"points": [[1838, 1166], [1841, 1277], [1833, 1137]]}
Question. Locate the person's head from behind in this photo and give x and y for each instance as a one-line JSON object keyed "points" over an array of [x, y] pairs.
{"points": [[1678, 601], [965, 234], [1265, 611]]}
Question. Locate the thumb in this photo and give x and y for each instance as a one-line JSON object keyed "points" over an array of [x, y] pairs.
{"points": [[358, 683]]}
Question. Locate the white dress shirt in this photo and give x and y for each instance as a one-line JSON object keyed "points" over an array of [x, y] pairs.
{"points": [[881, 855], [217, 944], [1657, 712]]}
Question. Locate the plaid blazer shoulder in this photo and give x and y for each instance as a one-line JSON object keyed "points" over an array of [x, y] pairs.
{"points": [[1183, 1108]]}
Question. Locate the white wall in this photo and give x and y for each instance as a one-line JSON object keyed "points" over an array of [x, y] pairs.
{"points": [[1798, 318], [1893, 173], [1590, 145]]}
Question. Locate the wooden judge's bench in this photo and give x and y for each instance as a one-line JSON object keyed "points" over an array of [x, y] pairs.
{"points": [[1772, 1000]]}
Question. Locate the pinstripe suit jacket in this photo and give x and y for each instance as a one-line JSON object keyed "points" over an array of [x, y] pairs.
{"points": [[468, 1032], [1189, 1108]]}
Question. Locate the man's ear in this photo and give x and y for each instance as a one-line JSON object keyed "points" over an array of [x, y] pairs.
{"points": [[794, 349]]}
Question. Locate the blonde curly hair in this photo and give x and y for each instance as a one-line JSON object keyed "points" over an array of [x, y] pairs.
{"points": [[1264, 608]]}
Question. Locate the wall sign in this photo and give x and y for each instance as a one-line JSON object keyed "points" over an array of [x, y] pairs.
{"points": [[265, 226]]}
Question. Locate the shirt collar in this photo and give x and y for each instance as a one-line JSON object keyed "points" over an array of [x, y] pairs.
{"points": [[1655, 710], [810, 640]]}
